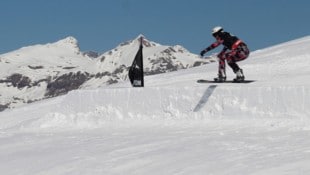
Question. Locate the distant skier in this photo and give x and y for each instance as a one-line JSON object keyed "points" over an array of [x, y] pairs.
{"points": [[234, 50]]}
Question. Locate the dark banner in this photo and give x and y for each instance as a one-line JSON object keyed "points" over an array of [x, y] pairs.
{"points": [[135, 74]]}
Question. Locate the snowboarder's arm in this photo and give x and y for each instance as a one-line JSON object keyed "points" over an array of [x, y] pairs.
{"points": [[212, 46]]}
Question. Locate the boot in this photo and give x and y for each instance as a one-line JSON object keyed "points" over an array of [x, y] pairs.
{"points": [[240, 76], [220, 78]]}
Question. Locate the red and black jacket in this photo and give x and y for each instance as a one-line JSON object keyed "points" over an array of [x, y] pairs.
{"points": [[225, 38]]}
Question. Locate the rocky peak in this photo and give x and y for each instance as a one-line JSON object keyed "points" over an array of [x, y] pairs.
{"points": [[70, 42], [146, 42]]}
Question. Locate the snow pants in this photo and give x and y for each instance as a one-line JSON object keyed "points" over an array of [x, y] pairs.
{"points": [[238, 53]]}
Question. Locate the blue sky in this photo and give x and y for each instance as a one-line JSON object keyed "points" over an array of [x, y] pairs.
{"points": [[100, 25]]}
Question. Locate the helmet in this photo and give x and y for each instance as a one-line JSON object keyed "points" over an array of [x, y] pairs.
{"points": [[217, 29]]}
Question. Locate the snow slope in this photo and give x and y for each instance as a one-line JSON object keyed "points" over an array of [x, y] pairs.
{"points": [[173, 125]]}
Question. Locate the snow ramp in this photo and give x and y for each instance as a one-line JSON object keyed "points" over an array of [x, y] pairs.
{"points": [[101, 107], [190, 102]]}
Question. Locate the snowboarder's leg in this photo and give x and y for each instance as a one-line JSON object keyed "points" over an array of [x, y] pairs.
{"points": [[222, 68], [235, 67], [237, 71], [239, 54], [242, 52]]}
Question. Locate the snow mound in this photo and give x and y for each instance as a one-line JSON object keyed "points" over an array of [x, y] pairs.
{"points": [[124, 106]]}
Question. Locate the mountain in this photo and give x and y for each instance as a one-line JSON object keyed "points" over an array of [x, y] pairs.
{"points": [[157, 58], [173, 125], [43, 71]]}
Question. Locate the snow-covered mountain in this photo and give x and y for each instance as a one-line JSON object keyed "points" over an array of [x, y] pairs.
{"points": [[173, 125], [43, 71], [157, 58]]}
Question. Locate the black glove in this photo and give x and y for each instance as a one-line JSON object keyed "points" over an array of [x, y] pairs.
{"points": [[203, 52]]}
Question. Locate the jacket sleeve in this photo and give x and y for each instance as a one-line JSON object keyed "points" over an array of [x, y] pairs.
{"points": [[213, 45]]}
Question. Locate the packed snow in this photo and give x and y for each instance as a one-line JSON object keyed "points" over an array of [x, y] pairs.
{"points": [[173, 125]]}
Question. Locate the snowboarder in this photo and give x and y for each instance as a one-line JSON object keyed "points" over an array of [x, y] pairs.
{"points": [[234, 50]]}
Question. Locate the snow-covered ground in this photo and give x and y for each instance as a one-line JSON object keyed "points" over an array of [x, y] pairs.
{"points": [[173, 125]]}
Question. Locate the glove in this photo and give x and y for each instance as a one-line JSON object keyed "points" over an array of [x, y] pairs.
{"points": [[203, 52]]}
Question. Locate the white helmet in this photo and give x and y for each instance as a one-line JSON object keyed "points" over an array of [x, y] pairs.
{"points": [[217, 29]]}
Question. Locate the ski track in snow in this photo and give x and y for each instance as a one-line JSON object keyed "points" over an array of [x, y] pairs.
{"points": [[173, 125]]}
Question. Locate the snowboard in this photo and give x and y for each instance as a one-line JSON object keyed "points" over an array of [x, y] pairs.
{"points": [[228, 81]]}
